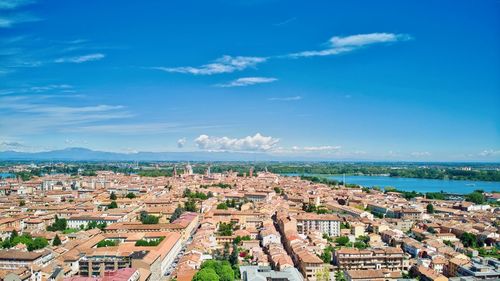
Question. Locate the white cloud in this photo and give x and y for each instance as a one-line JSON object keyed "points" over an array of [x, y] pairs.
{"points": [[420, 154], [319, 148], [50, 87], [181, 142], [366, 39], [247, 81], [81, 59], [338, 45], [11, 20], [321, 53], [294, 98], [225, 64], [322, 149], [11, 144], [13, 4], [257, 142], [489, 153]]}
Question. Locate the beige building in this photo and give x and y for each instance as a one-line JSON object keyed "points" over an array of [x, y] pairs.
{"points": [[353, 259]]}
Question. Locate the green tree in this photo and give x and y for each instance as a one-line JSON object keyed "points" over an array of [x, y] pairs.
{"points": [[149, 219], [222, 206], [190, 206], [113, 196], [225, 253], [58, 225], [22, 203], [339, 276], [326, 256], [206, 274], [131, 195], [37, 243], [233, 258], [430, 208], [468, 239], [360, 245], [475, 197], [225, 229], [226, 273], [56, 241], [342, 240], [323, 274], [113, 205], [177, 213]]}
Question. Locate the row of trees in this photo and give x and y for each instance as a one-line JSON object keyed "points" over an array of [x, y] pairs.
{"points": [[150, 243], [196, 195], [129, 195]]}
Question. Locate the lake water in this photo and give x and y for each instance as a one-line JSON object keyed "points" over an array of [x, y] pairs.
{"points": [[7, 175], [420, 185]]}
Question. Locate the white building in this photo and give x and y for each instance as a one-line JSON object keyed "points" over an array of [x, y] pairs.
{"points": [[327, 224]]}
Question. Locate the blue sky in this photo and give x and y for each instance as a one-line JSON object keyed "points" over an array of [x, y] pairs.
{"points": [[375, 80]]}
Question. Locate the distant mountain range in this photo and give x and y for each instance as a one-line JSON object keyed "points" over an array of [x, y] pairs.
{"points": [[84, 154]]}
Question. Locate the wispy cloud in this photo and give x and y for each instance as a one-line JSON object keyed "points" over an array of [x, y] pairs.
{"points": [[420, 154], [81, 59], [321, 148], [247, 81], [9, 21], [50, 87], [126, 128], [254, 143], [294, 98], [13, 4], [285, 22], [338, 45], [225, 64], [181, 142], [11, 144], [335, 46], [489, 153], [30, 114]]}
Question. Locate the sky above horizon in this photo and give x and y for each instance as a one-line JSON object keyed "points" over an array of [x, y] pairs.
{"points": [[336, 80]]}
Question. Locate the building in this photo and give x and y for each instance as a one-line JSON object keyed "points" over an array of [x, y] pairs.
{"points": [[127, 254], [353, 259], [481, 268], [80, 222], [371, 275], [327, 224], [125, 274], [263, 273], [15, 259]]}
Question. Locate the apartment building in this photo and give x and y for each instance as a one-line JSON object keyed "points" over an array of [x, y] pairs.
{"points": [[126, 254], [15, 259], [353, 259], [327, 224]]}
